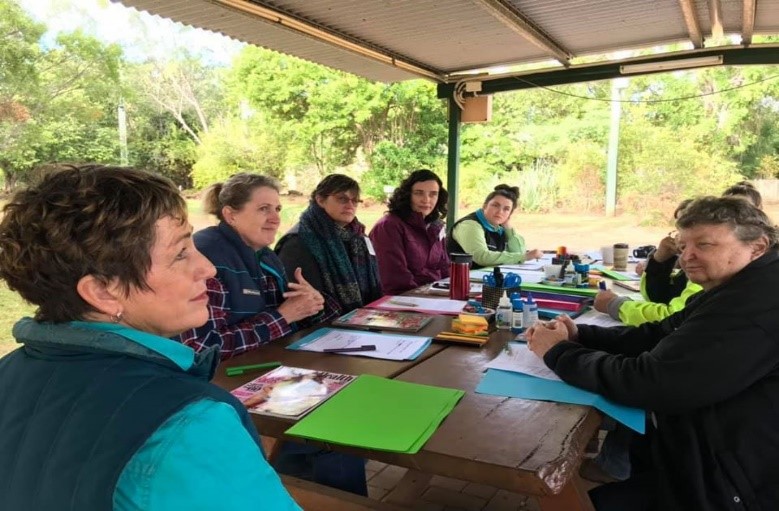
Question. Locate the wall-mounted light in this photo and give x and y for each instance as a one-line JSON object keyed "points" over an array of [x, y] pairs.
{"points": [[671, 65]]}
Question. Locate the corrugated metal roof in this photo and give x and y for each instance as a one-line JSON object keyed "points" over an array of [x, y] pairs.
{"points": [[393, 40]]}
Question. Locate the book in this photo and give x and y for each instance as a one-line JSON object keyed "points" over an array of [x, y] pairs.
{"points": [[373, 319], [290, 392]]}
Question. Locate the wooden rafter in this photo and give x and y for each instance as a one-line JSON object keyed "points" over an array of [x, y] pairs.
{"points": [[524, 26], [715, 11], [691, 21], [259, 9], [748, 27]]}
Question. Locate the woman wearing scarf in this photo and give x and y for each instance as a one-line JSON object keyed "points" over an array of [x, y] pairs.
{"points": [[330, 246], [251, 302], [485, 235], [411, 249]]}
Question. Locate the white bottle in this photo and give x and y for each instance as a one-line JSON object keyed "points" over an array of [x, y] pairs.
{"points": [[503, 313], [517, 316], [530, 312]]}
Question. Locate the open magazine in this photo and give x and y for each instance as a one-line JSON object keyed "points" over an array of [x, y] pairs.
{"points": [[290, 392], [393, 321]]}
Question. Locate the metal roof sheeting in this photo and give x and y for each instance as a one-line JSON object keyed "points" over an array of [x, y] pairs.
{"points": [[405, 39]]}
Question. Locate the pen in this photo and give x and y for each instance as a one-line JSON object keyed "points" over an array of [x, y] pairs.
{"points": [[364, 347], [237, 370], [404, 304]]}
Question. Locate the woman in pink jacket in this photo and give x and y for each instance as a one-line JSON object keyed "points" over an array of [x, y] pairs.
{"points": [[409, 239]]}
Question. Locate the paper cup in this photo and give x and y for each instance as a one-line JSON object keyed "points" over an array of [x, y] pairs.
{"points": [[552, 271], [608, 254]]}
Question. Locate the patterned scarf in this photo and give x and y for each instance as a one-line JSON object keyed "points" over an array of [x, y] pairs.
{"points": [[349, 274]]}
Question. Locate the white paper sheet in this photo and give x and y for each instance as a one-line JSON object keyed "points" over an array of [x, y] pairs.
{"points": [[418, 304], [388, 346], [528, 276], [518, 358], [532, 265], [593, 317]]}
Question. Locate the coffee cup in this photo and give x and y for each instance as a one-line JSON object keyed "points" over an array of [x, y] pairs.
{"points": [[620, 256]]}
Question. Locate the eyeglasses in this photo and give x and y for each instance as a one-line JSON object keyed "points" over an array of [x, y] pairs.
{"points": [[344, 200]]}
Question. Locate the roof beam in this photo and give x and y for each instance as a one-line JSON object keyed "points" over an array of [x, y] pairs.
{"points": [[715, 11], [748, 27], [691, 20], [522, 25], [301, 26], [738, 56]]}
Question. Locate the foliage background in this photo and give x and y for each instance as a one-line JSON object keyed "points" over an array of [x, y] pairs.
{"points": [[198, 120]]}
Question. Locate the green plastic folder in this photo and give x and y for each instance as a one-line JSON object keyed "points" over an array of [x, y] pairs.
{"points": [[380, 414]]}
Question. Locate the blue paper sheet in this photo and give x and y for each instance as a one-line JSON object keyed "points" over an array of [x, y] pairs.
{"points": [[510, 384]]}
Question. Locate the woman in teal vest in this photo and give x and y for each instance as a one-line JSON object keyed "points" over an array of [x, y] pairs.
{"points": [[486, 235], [100, 410]]}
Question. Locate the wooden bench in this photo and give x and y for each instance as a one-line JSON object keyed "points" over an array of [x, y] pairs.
{"points": [[316, 497]]}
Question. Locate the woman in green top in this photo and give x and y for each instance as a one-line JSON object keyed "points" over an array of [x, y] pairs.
{"points": [[486, 235]]}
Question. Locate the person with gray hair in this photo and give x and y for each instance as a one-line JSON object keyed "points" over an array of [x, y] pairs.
{"points": [[708, 375]]}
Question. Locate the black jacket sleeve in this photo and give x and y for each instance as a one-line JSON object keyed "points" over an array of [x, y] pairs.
{"points": [[697, 360], [294, 254], [661, 285]]}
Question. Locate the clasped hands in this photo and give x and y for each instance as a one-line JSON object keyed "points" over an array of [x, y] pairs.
{"points": [[542, 336], [302, 300]]}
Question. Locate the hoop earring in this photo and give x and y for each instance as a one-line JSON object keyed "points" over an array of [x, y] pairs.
{"points": [[116, 318]]}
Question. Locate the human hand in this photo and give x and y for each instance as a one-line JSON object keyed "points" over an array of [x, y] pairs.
{"points": [[603, 299], [666, 249], [534, 254], [302, 301], [543, 336], [302, 286], [639, 268], [566, 321]]}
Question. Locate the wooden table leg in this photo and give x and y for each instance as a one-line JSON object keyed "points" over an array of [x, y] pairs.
{"points": [[573, 498], [271, 447]]}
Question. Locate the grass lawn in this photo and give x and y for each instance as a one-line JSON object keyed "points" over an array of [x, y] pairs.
{"points": [[13, 308]]}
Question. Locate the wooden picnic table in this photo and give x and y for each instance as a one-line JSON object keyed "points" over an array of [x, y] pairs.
{"points": [[523, 446], [276, 351]]}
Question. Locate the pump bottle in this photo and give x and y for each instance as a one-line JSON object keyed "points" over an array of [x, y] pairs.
{"points": [[503, 313]]}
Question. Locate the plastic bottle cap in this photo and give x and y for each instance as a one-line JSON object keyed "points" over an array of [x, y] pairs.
{"points": [[504, 300]]}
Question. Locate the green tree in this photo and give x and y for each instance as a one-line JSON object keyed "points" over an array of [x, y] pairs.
{"points": [[69, 106]]}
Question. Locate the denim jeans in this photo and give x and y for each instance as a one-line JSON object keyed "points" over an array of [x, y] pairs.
{"points": [[342, 471], [614, 455]]}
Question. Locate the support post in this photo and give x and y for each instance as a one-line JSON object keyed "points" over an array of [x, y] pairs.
{"points": [[611, 164], [453, 162]]}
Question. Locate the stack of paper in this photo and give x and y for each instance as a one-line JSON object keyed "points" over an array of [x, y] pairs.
{"points": [[418, 304], [593, 317], [381, 414], [349, 342], [517, 372]]}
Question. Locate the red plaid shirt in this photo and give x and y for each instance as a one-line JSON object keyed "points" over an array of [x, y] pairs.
{"points": [[253, 332]]}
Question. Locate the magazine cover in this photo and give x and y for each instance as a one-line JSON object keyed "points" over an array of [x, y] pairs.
{"points": [[373, 319], [290, 391]]}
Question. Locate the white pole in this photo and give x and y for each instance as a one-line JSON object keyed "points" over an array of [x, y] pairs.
{"points": [[611, 164]]}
